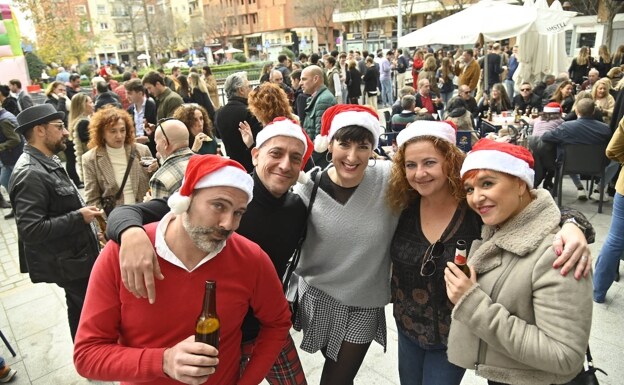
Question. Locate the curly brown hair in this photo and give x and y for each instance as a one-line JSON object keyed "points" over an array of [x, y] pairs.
{"points": [[105, 118], [269, 101], [186, 114], [400, 194]]}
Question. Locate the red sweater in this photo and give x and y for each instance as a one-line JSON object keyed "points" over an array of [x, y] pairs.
{"points": [[122, 338]]}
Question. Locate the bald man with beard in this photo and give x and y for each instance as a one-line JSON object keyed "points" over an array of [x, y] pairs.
{"points": [[172, 145]]}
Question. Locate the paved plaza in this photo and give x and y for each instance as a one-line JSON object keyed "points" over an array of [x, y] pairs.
{"points": [[34, 319]]}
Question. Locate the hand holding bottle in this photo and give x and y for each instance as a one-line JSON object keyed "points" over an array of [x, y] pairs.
{"points": [[457, 284], [190, 362]]}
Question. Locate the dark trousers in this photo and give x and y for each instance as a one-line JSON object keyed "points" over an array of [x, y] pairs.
{"points": [[75, 293], [70, 159]]}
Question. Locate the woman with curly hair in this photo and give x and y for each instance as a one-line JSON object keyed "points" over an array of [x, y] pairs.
{"points": [[112, 145], [429, 72], [80, 112], [268, 101], [201, 135]]}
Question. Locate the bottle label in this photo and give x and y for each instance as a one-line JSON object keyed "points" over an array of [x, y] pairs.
{"points": [[460, 259]]}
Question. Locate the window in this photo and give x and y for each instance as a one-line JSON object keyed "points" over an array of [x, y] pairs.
{"points": [[124, 46], [586, 40], [104, 26], [101, 9], [81, 10], [151, 10], [85, 26], [254, 18]]}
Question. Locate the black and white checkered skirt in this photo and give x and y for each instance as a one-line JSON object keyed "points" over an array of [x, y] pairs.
{"points": [[327, 323]]}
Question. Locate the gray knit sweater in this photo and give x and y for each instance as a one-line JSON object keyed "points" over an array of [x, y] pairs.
{"points": [[347, 250]]}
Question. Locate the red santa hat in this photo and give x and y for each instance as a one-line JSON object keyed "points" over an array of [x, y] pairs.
{"points": [[552, 107], [343, 115], [205, 171], [282, 126], [441, 130], [503, 157]]}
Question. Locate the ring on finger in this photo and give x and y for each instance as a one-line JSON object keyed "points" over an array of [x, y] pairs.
{"points": [[584, 258]]}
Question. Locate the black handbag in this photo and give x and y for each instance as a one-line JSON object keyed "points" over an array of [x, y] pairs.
{"points": [[587, 376], [108, 203], [291, 288]]}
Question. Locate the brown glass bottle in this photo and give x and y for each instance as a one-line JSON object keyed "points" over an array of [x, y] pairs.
{"points": [[460, 257], [208, 325]]}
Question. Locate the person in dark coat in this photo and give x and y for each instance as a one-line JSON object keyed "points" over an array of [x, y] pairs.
{"points": [[9, 103], [353, 80], [370, 83], [229, 118]]}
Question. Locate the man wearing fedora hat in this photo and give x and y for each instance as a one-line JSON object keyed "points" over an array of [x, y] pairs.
{"points": [[56, 237]]}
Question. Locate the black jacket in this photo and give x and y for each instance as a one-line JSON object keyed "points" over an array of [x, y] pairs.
{"points": [[370, 79], [227, 120], [203, 100], [150, 115], [354, 79], [55, 244], [533, 102], [106, 98]]}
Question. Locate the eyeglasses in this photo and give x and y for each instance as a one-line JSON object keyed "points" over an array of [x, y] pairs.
{"points": [[59, 125], [433, 252], [525, 89], [162, 129]]}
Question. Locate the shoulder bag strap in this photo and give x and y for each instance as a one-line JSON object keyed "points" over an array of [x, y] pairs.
{"points": [[290, 269], [125, 178]]}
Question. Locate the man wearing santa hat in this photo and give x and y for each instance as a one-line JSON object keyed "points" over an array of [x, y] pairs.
{"points": [[274, 219], [124, 338]]}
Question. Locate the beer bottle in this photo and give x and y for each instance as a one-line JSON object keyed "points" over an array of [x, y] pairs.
{"points": [[208, 325], [460, 257]]}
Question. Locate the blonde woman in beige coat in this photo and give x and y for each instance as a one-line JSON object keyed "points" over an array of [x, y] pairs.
{"points": [[111, 140], [516, 320]]}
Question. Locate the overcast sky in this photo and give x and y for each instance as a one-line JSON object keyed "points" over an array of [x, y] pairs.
{"points": [[25, 26]]}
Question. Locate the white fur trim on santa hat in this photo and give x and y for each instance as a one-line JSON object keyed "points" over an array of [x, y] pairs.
{"points": [[498, 161], [426, 128], [227, 176], [355, 118], [281, 128], [552, 109], [321, 143]]}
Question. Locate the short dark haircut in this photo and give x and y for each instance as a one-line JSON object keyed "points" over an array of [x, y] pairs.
{"points": [[469, 51], [342, 55], [302, 56], [585, 107], [5, 90], [282, 58], [334, 53], [365, 53], [174, 69], [74, 77], [296, 74], [101, 87], [354, 134], [153, 78], [314, 58], [207, 70], [161, 70], [134, 85], [400, 51], [126, 76], [16, 82], [331, 60]]}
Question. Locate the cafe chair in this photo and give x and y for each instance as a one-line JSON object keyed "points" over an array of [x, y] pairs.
{"points": [[584, 159]]}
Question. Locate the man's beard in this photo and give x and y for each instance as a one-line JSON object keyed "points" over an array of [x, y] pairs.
{"points": [[201, 236]]}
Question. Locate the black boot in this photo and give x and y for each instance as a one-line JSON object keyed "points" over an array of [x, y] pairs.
{"points": [[3, 203]]}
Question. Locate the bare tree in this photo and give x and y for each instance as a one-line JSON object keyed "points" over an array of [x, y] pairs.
{"points": [[322, 21], [218, 26], [358, 7], [605, 9]]}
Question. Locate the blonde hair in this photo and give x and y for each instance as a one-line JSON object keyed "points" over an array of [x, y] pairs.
{"points": [[605, 82], [195, 81], [583, 56]]}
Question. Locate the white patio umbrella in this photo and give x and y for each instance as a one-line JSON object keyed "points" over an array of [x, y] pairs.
{"points": [[496, 20], [526, 52], [220, 51], [143, 57], [233, 50], [541, 61], [556, 43]]}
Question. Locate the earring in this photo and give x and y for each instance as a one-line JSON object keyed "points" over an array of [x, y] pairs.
{"points": [[328, 157]]}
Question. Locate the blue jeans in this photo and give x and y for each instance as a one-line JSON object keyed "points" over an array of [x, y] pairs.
{"points": [[418, 366], [608, 260], [5, 175], [386, 91]]}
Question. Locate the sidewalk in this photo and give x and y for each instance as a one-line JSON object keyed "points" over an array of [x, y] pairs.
{"points": [[34, 320]]}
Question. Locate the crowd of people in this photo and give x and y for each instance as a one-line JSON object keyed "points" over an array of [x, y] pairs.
{"points": [[163, 211]]}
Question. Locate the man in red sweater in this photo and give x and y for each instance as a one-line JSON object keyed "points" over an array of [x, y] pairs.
{"points": [[123, 338]]}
